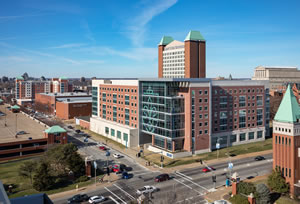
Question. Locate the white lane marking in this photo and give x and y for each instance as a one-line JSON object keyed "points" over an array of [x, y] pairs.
{"points": [[183, 183], [270, 160], [130, 196], [248, 164], [115, 195], [177, 172], [225, 169], [113, 199], [192, 182]]}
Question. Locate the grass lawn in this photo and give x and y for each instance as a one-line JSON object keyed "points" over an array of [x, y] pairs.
{"points": [[9, 176], [237, 150], [286, 200], [100, 137]]}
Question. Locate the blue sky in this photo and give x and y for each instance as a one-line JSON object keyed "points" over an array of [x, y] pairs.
{"points": [[118, 38]]}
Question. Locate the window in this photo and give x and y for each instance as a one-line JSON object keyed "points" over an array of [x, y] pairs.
{"points": [[127, 116], [125, 137], [251, 135], [104, 111], [118, 134], [242, 101], [112, 132], [114, 113], [104, 97], [223, 102], [200, 108], [289, 142], [205, 92], [200, 92], [242, 137], [259, 100], [259, 115], [232, 138], [242, 118], [260, 135], [278, 139], [223, 120], [200, 116], [205, 131], [106, 130], [127, 100], [115, 98]]}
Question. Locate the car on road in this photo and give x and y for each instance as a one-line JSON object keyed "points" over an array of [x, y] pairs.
{"points": [[126, 175], [208, 169], [30, 138], [146, 189], [78, 198], [259, 158], [21, 133], [117, 156], [102, 148], [162, 177], [70, 127], [77, 131], [97, 199]]}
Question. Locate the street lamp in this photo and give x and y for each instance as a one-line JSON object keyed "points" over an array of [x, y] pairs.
{"points": [[16, 124]]}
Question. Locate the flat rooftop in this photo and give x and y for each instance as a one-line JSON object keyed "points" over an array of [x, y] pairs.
{"points": [[75, 100], [67, 94], [18, 123]]}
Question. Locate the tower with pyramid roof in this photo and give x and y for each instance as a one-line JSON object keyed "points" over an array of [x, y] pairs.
{"points": [[286, 140]]}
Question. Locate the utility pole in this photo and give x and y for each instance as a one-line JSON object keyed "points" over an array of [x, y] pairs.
{"points": [[218, 146], [16, 125], [161, 160], [5, 117]]}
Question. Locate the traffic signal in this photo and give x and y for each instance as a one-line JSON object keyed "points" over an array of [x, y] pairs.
{"points": [[201, 162], [107, 171]]}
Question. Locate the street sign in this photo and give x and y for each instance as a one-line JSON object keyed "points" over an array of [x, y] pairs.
{"points": [[230, 165], [218, 145], [107, 153], [95, 164]]}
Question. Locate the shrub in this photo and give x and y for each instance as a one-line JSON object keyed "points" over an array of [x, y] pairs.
{"points": [[246, 188], [239, 199], [277, 183], [82, 179], [263, 194]]}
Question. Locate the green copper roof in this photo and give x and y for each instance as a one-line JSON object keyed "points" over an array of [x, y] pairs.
{"points": [[194, 35], [20, 78], [288, 110], [55, 129], [165, 40], [15, 107], [64, 78]]}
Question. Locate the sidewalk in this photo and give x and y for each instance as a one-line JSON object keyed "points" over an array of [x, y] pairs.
{"points": [[113, 178], [218, 194]]}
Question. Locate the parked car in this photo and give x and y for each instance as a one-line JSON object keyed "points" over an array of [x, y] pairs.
{"points": [[70, 127], [30, 138], [21, 133], [77, 131], [146, 189], [259, 158], [117, 156], [162, 177], [97, 199], [102, 148], [126, 175], [78, 198], [208, 169]]}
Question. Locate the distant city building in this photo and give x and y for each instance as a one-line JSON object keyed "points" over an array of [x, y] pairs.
{"points": [[278, 77], [180, 114], [186, 59], [286, 141], [64, 105], [26, 90]]}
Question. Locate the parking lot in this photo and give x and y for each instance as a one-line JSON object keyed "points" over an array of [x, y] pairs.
{"points": [[16, 122]]}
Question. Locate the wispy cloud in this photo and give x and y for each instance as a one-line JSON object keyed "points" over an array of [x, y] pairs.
{"points": [[8, 18], [88, 33], [14, 59], [71, 45], [137, 26], [93, 61]]}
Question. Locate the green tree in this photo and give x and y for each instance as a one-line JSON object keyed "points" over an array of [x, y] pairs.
{"points": [[263, 194], [277, 182], [43, 180], [27, 169]]}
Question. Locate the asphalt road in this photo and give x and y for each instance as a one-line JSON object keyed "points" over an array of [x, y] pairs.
{"points": [[189, 185]]}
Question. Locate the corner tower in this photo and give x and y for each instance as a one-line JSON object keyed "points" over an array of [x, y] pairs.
{"points": [[286, 140], [161, 46]]}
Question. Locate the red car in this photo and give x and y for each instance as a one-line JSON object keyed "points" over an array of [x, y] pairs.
{"points": [[208, 169], [162, 177], [103, 148], [118, 168]]}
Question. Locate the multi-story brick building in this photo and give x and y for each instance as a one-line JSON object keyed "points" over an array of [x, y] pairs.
{"points": [[26, 90], [181, 114], [286, 141], [64, 105], [182, 59]]}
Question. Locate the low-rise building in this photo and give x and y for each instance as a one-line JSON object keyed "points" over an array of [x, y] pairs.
{"points": [[68, 108]]}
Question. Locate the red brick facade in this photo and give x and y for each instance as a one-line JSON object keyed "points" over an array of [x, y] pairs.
{"points": [[195, 56], [65, 110]]}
